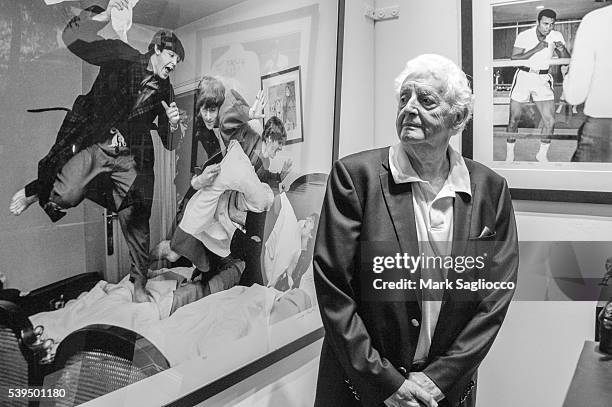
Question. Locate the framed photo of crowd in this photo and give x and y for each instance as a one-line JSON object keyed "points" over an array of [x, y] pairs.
{"points": [[284, 92], [523, 126]]}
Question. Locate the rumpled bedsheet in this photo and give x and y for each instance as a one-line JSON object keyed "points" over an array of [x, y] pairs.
{"points": [[111, 304]]}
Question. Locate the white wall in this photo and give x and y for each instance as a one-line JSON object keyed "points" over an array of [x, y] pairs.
{"points": [[540, 342], [423, 27], [34, 251], [356, 113]]}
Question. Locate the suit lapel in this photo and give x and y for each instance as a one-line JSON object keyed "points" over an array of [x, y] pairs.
{"points": [[462, 218], [144, 106], [398, 198]]}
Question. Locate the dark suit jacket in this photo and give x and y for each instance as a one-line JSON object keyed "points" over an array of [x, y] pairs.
{"points": [[366, 341], [111, 102]]}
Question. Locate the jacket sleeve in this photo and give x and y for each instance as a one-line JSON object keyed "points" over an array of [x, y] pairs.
{"points": [[474, 341], [336, 260], [265, 175], [82, 39]]}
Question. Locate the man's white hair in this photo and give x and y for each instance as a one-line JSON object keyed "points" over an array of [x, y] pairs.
{"points": [[458, 91]]}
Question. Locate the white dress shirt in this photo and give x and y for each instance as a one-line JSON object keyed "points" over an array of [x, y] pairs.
{"points": [[433, 214], [588, 80]]}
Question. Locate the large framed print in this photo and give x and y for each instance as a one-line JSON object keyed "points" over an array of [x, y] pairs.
{"points": [[527, 134], [284, 93], [241, 297], [244, 51]]}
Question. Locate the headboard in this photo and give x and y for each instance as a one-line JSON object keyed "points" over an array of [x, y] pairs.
{"points": [[99, 359], [20, 368]]}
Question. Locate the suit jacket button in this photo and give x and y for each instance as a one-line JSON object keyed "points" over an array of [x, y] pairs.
{"points": [[414, 322]]}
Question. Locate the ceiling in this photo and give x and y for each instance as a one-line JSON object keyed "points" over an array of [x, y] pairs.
{"points": [[172, 13], [526, 11]]}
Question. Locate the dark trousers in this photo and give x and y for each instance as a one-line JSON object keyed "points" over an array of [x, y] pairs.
{"points": [[594, 141], [76, 181], [224, 277]]}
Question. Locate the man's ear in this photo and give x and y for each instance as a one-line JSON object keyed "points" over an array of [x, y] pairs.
{"points": [[157, 51], [460, 116]]}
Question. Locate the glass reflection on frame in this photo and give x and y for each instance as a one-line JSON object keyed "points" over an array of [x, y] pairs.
{"points": [[255, 300]]}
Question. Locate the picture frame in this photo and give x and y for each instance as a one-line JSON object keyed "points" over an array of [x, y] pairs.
{"points": [[241, 53], [272, 37], [559, 179], [284, 93]]}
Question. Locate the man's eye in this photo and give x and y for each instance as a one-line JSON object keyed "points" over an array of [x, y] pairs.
{"points": [[427, 101]]}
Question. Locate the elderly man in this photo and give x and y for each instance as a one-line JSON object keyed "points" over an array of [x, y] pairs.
{"points": [[420, 346]]}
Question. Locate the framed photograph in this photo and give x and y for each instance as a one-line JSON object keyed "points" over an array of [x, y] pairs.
{"points": [[242, 52], [284, 92], [527, 135]]}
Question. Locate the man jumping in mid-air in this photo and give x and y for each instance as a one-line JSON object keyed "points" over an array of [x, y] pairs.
{"points": [[104, 151]]}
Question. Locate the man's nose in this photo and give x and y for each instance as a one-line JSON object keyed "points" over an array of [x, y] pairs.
{"points": [[410, 107]]}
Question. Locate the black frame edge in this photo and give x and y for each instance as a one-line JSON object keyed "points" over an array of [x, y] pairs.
{"points": [[237, 376], [338, 92], [467, 138]]}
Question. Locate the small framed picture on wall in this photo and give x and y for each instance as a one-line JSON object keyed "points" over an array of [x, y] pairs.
{"points": [[284, 92]]}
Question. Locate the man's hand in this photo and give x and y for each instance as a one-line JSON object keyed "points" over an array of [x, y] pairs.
{"points": [[286, 168], [410, 394], [255, 112], [427, 384], [207, 177], [172, 112]]}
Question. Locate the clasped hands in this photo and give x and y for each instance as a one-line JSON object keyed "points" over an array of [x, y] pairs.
{"points": [[412, 393]]}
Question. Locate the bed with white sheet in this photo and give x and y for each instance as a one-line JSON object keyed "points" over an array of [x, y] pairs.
{"points": [[148, 332]]}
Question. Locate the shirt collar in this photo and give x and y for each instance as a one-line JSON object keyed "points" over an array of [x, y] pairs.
{"points": [[458, 179]]}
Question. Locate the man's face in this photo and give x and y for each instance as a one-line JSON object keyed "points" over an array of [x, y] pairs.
{"points": [[270, 148], [164, 63], [210, 116], [423, 113], [546, 25]]}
